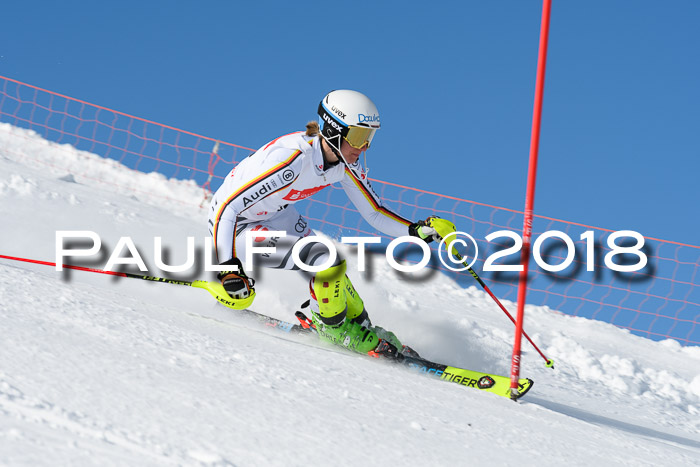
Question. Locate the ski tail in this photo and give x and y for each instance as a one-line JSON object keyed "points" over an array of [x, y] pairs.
{"points": [[275, 323]]}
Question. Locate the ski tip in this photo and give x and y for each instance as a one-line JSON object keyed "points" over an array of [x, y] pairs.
{"points": [[524, 385]]}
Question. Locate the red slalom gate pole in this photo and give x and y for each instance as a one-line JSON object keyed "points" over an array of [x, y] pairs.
{"points": [[530, 195]]}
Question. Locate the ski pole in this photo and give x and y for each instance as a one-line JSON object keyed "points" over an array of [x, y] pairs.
{"points": [[548, 362], [214, 288]]}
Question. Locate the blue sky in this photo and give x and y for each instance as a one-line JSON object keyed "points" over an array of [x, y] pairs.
{"points": [[453, 81]]}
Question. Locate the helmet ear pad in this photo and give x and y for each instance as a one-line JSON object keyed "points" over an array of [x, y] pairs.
{"points": [[335, 150], [332, 129]]}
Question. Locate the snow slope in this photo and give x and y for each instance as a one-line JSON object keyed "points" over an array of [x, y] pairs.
{"points": [[97, 370]]}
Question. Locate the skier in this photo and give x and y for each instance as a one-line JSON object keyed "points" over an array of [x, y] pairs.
{"points": [[259, 194]]}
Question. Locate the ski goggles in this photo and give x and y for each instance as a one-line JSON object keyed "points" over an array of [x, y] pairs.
{"points": [[360, 137]]}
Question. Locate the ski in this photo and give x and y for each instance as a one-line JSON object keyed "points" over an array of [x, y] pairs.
{"points": [[495, 384], [276, 324]]}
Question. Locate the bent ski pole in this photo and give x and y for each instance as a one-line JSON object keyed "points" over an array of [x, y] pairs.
{"points": [[214, 288], [548, 362]]}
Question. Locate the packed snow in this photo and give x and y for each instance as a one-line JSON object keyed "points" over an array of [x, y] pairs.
{"points": [[100, 370]]}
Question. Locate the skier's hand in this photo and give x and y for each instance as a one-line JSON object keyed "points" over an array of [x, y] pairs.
{"points": [[433, 228], [422, 230], [236, 282]]}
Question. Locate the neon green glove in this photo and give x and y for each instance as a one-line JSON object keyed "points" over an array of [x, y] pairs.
{"points": [[443, 227], [433, 228]]}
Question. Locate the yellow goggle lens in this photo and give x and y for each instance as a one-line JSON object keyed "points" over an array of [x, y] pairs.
{"points": [[360, 137]]}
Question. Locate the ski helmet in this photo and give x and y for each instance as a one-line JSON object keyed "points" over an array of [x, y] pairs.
{"points": [[348, 115]]}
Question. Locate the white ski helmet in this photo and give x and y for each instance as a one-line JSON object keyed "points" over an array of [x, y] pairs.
{"points": [[349, 115]]}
